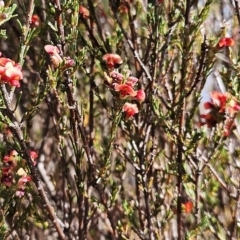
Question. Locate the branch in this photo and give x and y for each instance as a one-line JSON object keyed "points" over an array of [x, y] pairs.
{"points": [[237, 10], [17, 132], [130, 44]]}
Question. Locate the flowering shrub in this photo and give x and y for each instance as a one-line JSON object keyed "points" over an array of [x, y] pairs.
{"points": [[119, 119]]}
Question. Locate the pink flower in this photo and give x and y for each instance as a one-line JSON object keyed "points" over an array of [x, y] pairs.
{"points": [[23, 180], [53, 51], [50, 49], [226, 42], [131, 81], [84, 12], [140, 95], [130, 109], [116, 77], [20, 192], [33, 156], [69, 62], [21, 185], [10, 72], [125, 90], [56, 59], [112, 60]]}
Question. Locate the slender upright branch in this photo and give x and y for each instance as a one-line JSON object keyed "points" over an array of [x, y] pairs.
{"points": [[131, 46], [237, 10], [16, 129]]}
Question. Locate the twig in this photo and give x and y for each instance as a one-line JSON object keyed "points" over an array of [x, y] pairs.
{"points": [[99, 27], [77, 127], [201, 65], [237, 10], [220, 180], [198, 182], [24, 47], [75, 115], [133, 34], [15, 128], [131, 46]]}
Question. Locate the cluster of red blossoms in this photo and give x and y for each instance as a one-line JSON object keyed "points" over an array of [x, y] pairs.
{"points": [[223, 107], [10, 72], [10, 171], [124, 86], [226, 42]]}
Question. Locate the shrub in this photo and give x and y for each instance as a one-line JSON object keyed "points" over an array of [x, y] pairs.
{"points": [[119, 119]]}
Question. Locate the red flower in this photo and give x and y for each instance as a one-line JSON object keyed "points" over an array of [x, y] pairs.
{"points": [[216, 106], [125, 90], [188, 206], [84, 12], [219, 100], [140, 95], [112, 60], [226, 42], [35, 21], [225, 102], [130, 109], [223, 106], [209, 119], [10, 72]]}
